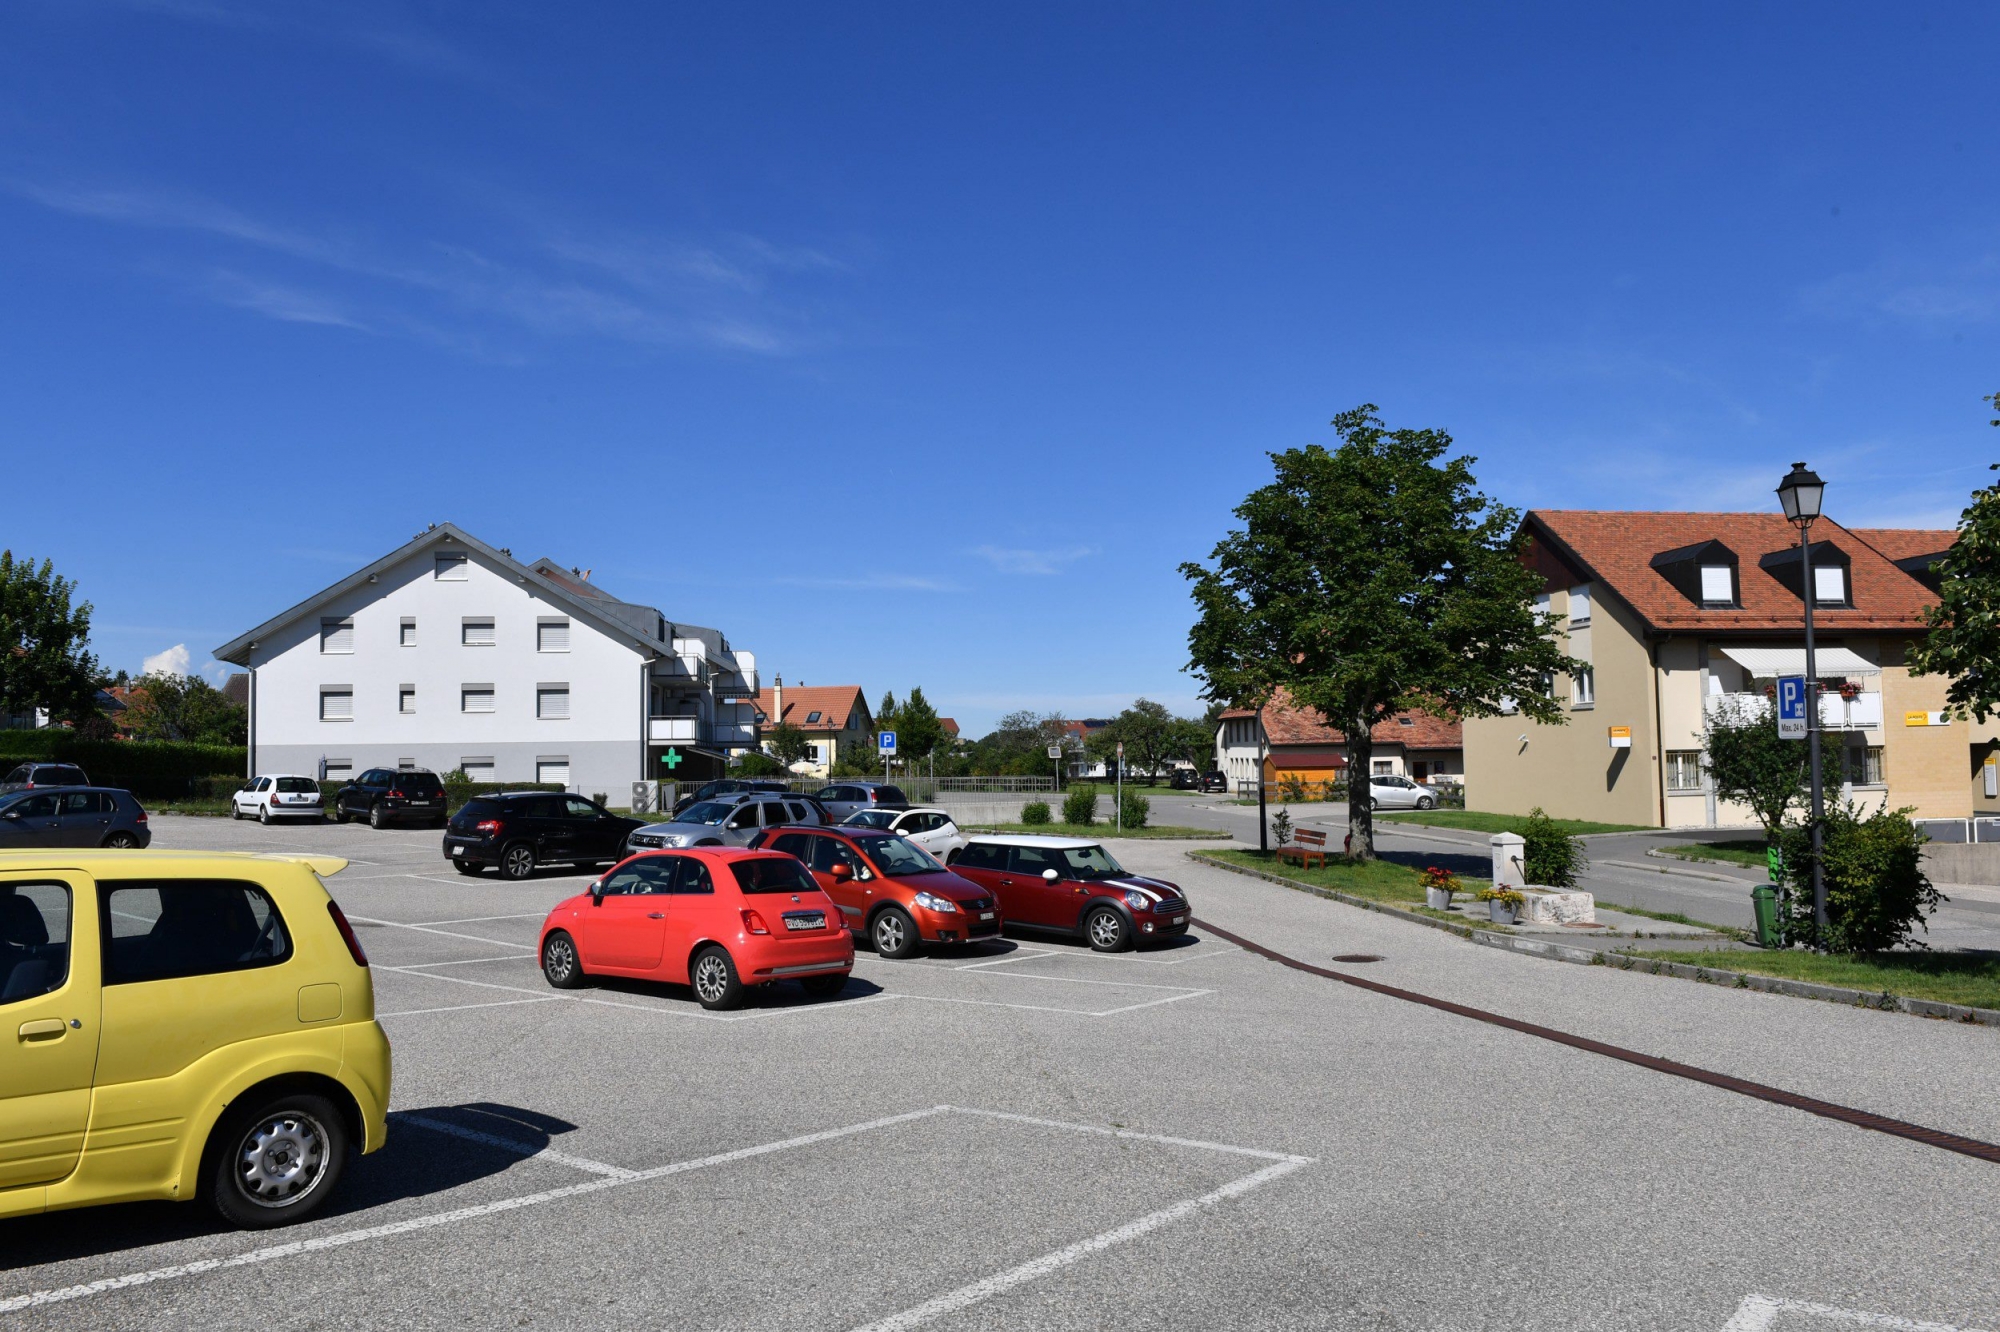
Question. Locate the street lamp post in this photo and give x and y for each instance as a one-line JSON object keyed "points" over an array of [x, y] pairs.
{"points": [[1801, 493]]}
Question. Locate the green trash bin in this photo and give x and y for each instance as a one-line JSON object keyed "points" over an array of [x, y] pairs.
{"points": [[1764, 899]]}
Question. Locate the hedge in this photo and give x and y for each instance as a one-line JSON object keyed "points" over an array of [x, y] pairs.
{"points": [[149, 769]]}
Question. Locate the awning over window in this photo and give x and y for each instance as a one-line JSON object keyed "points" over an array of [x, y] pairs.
{"points": [[1765, 662]]}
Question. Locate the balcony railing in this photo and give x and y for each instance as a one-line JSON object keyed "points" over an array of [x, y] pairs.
{"points": [[675, 730], [1863, 712]]}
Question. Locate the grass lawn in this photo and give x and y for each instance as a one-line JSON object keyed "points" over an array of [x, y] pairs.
{"points": [[1474, 821], [1376, 880], [1165, 832], [1949, 978], [1734, 853]]}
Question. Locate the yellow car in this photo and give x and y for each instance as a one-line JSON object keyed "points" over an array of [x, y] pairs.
{"points": [[178, 1024]]}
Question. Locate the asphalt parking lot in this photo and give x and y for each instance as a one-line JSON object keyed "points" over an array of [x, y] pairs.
{"points": [[1029, 1135]]}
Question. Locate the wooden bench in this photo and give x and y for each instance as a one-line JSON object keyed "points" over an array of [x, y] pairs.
{"points": [[1305, 845]]}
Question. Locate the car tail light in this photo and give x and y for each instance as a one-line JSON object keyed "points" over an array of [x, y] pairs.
{"points": [[395, 795], [754, 922], [488, 826], [346, 933], [141, 818]]}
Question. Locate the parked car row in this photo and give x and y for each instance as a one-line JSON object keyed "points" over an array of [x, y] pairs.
{"points": [[73, 816]]}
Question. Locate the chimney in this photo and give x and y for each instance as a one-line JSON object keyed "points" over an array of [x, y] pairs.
{"points": [[777, 699]]}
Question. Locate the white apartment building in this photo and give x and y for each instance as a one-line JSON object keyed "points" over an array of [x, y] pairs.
{"points": [[449, 653]]}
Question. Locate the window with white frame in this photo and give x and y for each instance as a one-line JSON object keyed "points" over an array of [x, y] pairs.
{"points": [[1579, 604], [1684, 770], [552, 702], [477, 769], [477, 633], [1830, 585], [475, 698], [336, 635], [1861, 765], [339, 770], [451, 568], [336, 703], [552, 635], [1718, 585], [407, 634], [406, 699], [1583, 689], [406, 765]]}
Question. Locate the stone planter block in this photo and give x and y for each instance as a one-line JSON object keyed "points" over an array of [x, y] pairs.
{"points": [[1549, 906]]}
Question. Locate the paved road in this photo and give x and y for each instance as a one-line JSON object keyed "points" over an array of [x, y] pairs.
{"points": [[1620, 874], [1186, 1138]]}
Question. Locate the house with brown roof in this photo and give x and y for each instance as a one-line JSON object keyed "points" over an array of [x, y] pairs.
{"points": [[830, 716], [1297, 742], [1680, 615]]}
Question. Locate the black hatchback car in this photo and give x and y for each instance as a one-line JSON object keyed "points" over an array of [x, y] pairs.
{"points": [[520, 830], [73, 816], [384, 796]]}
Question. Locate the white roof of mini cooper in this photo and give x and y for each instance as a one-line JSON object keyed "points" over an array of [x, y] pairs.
{"points": [[1034, 839]]}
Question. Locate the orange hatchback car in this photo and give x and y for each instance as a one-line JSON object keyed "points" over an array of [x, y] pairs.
{"points": [[891, 890], [719, 919]]}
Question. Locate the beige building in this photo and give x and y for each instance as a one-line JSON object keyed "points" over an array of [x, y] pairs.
{"points": [[1680, 615]]}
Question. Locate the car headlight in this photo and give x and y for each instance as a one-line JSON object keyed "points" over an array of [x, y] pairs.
{"points": [[932, 902], [1138, 901]]}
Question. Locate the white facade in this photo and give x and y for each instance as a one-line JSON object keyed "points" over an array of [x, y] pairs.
{"points": [[450, 654]]}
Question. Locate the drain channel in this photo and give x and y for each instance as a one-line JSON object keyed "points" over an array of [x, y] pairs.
{"points": [[1846, 1114]]}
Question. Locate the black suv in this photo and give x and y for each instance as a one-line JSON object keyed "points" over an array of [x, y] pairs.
{"points": [[519, 830], [723, 786], [384, 796], [28, 776]]}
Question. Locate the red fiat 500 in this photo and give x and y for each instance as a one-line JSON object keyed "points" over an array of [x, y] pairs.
{"points": [[890, 889], [718, 919], [1073, 886]]}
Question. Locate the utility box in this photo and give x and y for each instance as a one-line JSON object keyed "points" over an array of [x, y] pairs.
{"points": [[645, 797]]}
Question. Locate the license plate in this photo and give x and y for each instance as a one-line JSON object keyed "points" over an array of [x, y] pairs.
{"points": [[815, 921], [1180, 920], [986, 915], [458, 850]]}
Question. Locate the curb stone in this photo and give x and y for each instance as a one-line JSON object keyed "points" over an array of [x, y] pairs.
{"points": [[1676, 868], [1556, 952]]}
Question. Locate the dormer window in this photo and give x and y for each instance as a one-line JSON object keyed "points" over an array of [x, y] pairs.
{"points": [[1830, 586], [1832, 573], [1705, 573]]}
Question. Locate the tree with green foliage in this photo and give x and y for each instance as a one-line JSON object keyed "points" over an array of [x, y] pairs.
{"points": [[1877, 894], [185, 707], [1749, 764], [44, 662], [1369, 579], [919, 733], [1964, 638], [788, 744], [1153, 738], [756, 763]]}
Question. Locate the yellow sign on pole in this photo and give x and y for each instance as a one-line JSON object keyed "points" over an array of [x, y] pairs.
{"points": [[1923, 719]]}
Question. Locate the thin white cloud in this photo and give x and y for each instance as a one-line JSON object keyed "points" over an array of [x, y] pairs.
{"points": [[1015, 561], [174, 661], [880, 583], [280, 302], [1933, 295]]}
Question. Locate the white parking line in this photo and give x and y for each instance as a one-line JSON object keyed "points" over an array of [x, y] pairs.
{"points": [[651, 1008], [525, 1150], [459, 1008], [1759, 1313], [426, 929], [340, 1239], [1051, 1008], [465, 962], [474, 920]]}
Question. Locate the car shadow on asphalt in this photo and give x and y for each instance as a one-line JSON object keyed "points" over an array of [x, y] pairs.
{"points": [[1018, 937], [414, 1163], [776, 995]]}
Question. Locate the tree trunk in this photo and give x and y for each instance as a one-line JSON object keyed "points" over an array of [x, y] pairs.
{"points": [[1360, 810]]}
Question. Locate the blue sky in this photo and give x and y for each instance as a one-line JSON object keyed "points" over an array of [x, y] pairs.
{"points": [[918, 344]]}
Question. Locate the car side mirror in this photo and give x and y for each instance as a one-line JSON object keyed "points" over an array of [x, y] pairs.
{"points": [[842, 873], [1050, 876], [597, 893]]}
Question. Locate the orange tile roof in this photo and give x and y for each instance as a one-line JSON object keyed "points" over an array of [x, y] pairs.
{"points": [[1288, 724], [1902, 543], [950, 725], [833, 703], [1616, 550]]}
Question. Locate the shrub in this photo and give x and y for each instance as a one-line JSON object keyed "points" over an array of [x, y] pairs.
{"points": [[1281, 827], [1292, 788], [1080, 806], [1035, 811], [1877, 895], [149, 769], [1551, 857], [755, 763], [1133, 809]]}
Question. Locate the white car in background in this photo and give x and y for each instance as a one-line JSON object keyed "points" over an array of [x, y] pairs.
{"points": [[931, 829], [1389, 791], [278, 796]]}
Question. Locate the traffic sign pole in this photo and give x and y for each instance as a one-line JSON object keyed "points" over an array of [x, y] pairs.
{"points": [[1120, 797]]}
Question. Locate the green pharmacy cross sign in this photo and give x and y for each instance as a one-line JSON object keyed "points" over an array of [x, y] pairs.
{"points": [[672, 758]]}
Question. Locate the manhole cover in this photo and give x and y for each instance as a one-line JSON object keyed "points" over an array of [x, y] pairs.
{"points": [[1357, 957]]}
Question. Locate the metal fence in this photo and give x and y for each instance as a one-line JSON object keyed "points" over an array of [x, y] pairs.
{"points": [[1449, 795], [1960, 830], [648, 797]]}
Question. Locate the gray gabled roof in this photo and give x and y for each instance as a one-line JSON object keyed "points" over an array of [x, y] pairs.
{"points": [[596, 610]]}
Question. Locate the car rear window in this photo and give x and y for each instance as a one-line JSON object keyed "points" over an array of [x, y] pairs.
{"points": [[413, 783], [892, 794], [294, 785], [59, 774], [480, 809], [772, 874]]}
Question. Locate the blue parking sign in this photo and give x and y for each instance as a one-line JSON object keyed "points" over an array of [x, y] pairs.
{"points": [[1792, 707], [886, 741]]}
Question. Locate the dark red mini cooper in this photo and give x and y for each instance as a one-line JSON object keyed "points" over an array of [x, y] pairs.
{"points": [[1073, 886]]}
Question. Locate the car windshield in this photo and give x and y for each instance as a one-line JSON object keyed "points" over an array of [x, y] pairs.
{"points": [[892, 795], [294, 785], [1090, 862], [898, 858], [708, 811], [772, 874], [871, 818]]}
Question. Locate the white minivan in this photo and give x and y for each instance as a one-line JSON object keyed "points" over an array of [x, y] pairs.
{"points": [[279, 796]]}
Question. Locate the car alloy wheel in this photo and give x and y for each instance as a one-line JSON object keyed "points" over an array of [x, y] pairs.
{"points": [[714, 979], [1425, 802], [121, 841], [1107, 930], [375, 819], [560, 964], [894, 933], [264, 816], [517, 862]]}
